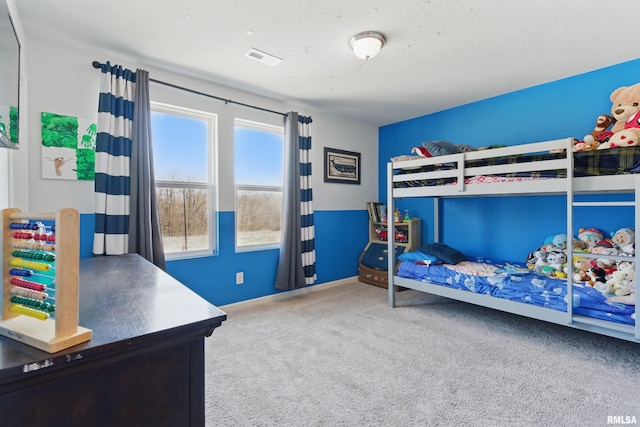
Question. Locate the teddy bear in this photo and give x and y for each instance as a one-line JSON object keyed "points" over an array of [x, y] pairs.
{"points": [[630, 285], [616, 283], [624, 240], [599, 134], [625, 109]]}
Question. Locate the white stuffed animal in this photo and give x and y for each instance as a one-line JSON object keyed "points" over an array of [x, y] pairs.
{"points": [[630, 285]]}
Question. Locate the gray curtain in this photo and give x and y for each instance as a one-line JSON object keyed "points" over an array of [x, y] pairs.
{"points": [[144, 224], [297, 262]]}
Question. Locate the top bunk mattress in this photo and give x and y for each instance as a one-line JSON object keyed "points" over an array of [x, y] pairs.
{"points": [[459, 169]]}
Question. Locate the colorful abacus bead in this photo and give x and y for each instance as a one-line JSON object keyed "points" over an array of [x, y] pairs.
{"points": [[20, 272], [20, 309], [28, 293], [27, 284], [26, 301], [32, 265], [33, 303], [31, 254], [22, 235], [48, 307], [23, 226]]}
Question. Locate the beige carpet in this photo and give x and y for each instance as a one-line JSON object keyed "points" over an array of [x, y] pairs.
{"points": [[342, 357]]}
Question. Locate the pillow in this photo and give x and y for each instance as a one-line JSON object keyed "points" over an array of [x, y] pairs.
{"points": [[441, 148], [444, 253], [418, 256]]}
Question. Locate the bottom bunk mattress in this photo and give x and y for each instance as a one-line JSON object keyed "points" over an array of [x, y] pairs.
{"points": [[514, 282]]}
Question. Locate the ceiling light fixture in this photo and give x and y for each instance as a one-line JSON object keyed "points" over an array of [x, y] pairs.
{"points": [[367, 44]]}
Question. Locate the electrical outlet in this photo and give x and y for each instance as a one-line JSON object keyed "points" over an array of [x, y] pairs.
{"points": [[239, 278]]}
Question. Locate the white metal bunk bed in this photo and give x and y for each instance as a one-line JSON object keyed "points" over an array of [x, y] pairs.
{"points": [[409, 171]]}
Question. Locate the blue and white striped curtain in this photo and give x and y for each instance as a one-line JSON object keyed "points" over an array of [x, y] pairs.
{"points": [[297, 262], [307, 228], [113, 154]]}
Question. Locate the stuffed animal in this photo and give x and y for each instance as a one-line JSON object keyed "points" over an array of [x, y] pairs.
{"points": [[624, 264], [630, 284], [578, 145], [557, 260], [557, 240], [597, 278], [600, 133], [605, 247], [616, 283], [629, 250], [624, 240], [581, 266], [625, 108], [436, 148], [421, 151], [579, 246], [537, 260], [590, 236], [548, 260]]}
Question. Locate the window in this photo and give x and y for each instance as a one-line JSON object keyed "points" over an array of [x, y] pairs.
{"points": [[258, 183], [183, 156]]}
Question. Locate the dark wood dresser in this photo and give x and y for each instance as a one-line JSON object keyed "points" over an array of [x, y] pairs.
{"points": [[144, 365]]}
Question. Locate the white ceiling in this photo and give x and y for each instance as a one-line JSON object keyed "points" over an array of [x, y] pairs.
{"points": [[439, 53]]}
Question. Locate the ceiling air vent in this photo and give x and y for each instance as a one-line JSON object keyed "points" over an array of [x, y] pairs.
{"points": [[263, 57]]}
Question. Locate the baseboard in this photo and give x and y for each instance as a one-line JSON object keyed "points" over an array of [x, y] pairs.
{"points": [[287, 294]]}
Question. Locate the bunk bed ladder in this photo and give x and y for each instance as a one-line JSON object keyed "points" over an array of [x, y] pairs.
{"points": [[635, 203]]}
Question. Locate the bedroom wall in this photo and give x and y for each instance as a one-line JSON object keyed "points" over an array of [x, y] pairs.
{"points": [[62, 81], [511, 227]]}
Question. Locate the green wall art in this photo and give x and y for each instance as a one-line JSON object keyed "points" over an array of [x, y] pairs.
{"points": [[68, 147]]}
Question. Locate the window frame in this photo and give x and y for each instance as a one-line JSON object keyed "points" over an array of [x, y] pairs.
{"points": [[264, 127], [210, 186]]}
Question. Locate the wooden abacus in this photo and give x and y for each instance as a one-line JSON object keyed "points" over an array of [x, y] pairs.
{"points": [[61, 331]]}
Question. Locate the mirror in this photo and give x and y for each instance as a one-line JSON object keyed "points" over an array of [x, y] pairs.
{"points": [[9, 79]]}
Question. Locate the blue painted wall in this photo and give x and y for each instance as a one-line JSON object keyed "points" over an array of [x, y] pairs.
{"points": [[511, 227], [340, 238]]}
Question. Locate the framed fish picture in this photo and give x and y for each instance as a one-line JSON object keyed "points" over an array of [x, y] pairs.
{"points": [[340, 166]]}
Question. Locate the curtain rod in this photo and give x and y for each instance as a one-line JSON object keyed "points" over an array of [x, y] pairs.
{"points": [[97, 64]]}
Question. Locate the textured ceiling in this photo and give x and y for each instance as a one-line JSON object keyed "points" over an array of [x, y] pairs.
{"points": [[439, 53]]}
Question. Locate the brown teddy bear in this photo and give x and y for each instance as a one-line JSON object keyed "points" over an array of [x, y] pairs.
{"points": [[600, 131], [626, 110]]}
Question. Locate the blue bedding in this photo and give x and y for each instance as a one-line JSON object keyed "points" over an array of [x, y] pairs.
{"points": [[513, 281]]}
